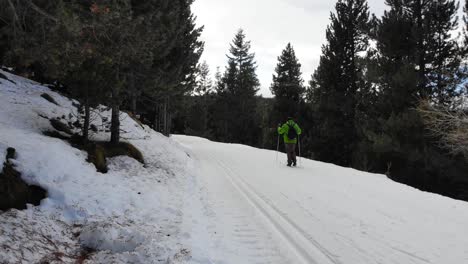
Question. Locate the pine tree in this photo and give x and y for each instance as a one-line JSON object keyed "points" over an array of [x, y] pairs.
{"points": [[177, 53], [239, 87], [106, 47], [198, 115], [435, 53], [336, 81], [443, 52], [219, 110], [52, 38], [400, 50], [394, 131], [218, 85], [204, 83], [287, 86], [415, 58]]}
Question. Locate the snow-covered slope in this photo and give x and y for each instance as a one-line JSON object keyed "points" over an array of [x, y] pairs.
{"points": [[133, 213], [197, 201], [320, 213]]}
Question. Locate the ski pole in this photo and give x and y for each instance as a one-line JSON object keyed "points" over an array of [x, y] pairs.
{"points": [[277, 148], [299, 143]]}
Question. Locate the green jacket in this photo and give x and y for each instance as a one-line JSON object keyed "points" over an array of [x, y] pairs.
{"points": [[284, 129]]}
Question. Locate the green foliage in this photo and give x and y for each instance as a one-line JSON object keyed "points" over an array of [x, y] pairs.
{"points": [[287, 86], [204, 84], [443, 54], [415, 57], [335, 84], [235, 108], [104, 51], [196, 107], [198, 116]]}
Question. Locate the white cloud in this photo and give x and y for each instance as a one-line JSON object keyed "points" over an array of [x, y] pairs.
{"points": [[270, 25]]}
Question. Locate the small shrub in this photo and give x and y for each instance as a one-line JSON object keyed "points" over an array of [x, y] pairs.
{"points": [[49, 98]]}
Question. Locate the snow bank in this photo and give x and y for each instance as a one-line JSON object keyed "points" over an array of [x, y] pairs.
{"points": [[131, 214]]}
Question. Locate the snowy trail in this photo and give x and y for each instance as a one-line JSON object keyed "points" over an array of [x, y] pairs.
{"points": [[234, 226], [206, 202], [263, 212], [306, 249]]}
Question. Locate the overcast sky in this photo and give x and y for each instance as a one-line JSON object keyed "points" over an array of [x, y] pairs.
{"points": [[270, 25]]}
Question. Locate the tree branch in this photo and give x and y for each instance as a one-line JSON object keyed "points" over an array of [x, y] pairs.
{"points": [[41, 11]]}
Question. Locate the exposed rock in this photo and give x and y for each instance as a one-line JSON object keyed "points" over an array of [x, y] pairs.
{"points": [[14, 192]]}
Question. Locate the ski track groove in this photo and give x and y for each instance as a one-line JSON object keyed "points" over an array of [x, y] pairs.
{"points": [[245, 234], [255, 199]]}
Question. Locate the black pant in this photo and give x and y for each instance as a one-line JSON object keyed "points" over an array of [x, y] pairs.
{"points": [[291, 151]]}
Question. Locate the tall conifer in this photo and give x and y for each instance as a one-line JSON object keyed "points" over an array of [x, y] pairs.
{"points": [[336, 81], [240, 87], [287, 86]]}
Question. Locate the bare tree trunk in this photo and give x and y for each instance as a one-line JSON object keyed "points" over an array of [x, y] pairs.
{"points": [[169, 124], [41, 11], [115, 123], [421, 49], [165, 116], [134, 104], [87, 113], [86, 121], [133, 92], [16, 19], [155, 118]]}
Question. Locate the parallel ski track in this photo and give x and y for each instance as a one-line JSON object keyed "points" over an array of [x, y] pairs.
{"points": [[306, 248]]}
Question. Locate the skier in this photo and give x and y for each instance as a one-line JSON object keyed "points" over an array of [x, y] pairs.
{"points": [[290, 131]]}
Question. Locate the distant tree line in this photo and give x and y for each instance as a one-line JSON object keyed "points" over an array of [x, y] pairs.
{"points": [[132, 55], [363, 105]]}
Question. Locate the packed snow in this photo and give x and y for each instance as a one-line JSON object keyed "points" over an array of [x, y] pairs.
{"points": [[321, 213], [202, 202]]}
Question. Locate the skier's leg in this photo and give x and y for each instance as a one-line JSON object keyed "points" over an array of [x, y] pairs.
{"points": [[289, 151], [277, 148], [293, 155]]}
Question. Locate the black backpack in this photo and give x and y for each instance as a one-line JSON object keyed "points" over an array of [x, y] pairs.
{"points": [[292, 133]]}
